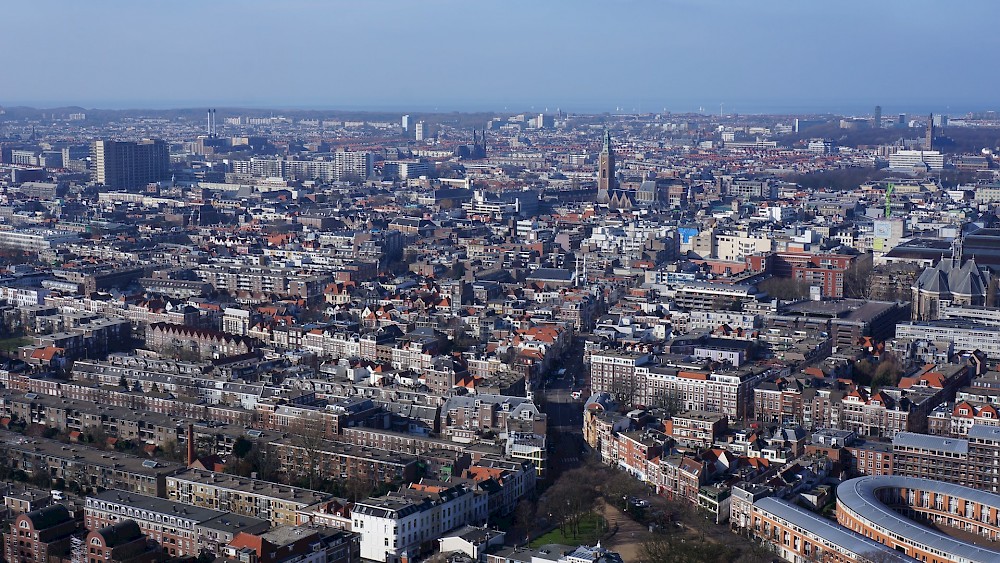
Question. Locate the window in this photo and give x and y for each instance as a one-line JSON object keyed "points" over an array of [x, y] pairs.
{"points": [[95, 541]]}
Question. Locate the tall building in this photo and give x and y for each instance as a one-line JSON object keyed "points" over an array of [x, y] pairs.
{"points": [[125, 165], [420, 131], [606, 170], [405, 122], [929, 136], [877, 122]]}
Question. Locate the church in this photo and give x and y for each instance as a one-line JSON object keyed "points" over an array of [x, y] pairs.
{"points": [[951, 282]]}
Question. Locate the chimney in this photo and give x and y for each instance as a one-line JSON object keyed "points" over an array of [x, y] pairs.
{"points": [[209, 122], [190, 445]]}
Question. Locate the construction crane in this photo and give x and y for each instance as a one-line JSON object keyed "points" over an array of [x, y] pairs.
{"points": [[888, 199]]}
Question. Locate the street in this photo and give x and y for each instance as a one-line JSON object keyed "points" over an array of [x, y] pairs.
{"points": [[565, 414]]}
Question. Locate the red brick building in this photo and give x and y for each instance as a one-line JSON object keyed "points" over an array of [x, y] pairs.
{"points": [[41, 536]]}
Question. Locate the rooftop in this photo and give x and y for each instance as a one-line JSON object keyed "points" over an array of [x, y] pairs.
{"points": [[859, 495]]}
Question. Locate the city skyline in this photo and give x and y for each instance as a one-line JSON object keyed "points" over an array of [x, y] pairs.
{"points": [[515, 56]]}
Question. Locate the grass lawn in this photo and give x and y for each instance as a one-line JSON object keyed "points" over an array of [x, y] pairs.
{"points": [[592, 527]]}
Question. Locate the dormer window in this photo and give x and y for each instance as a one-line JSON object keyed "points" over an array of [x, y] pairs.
{"points": [[963, 412]]}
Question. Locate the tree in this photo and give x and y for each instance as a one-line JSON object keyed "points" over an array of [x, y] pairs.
{"points": [[785, 289], [670, 549], [859, 277], [242, 447], [624, 389], [618, 487], [309, 435], [669, 401], [41, 479], [887, 372], [571, 498], [880, 556], [524, 517]]}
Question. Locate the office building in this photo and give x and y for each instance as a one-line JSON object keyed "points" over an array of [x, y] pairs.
{"points": [[123, 165], [908, 160]]}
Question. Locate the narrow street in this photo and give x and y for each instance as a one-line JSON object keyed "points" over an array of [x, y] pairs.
{"points": [[565, 413]]}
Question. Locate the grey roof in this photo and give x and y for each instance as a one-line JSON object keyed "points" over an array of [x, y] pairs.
{"points": [[954, 277], [928, 442], [825, 529], [983, 432], [156, 504], [551, 274], [859, 496]]}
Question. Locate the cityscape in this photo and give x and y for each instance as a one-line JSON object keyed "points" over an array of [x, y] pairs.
{"points": [[534, 303]]}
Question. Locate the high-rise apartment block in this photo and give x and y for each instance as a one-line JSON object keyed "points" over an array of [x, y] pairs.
{"points": [[126, 165]]}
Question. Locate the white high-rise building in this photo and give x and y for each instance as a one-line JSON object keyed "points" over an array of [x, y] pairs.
{"points": [[405, 122], [907, 160], [420, 131]]}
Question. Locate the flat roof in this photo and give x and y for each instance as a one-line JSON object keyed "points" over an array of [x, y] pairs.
{"points": [[928, 442], [858, 495]]}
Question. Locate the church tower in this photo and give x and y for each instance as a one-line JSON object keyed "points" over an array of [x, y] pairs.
{"points": [[606, 171]]}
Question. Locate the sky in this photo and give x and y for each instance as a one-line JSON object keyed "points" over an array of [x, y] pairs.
{"points": [[741, 56]]}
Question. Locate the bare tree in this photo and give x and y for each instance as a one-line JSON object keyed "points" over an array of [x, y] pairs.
{"points": [[624, 390], [308, 435], [882, 556]]}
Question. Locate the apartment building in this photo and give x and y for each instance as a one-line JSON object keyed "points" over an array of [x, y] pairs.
{"points": [[180, 528], [294, 544], [40, 536], [799, 535], [697, 429], [263, 500], [406, 524], [203, 343], [634, 378], [89, 468]]}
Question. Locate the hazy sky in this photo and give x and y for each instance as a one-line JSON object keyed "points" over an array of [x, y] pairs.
{"points": [[751, 56]]}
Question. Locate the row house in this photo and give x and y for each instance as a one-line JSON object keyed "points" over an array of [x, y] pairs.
{"points": [[484, 412], [398, 442], [41, 536], [181, 529], [634, 378], [681, 477], [956, 419], [401, 526], [633, 451], [505, 481], [291, 544], [204, 343], [79, 417], [696, 429], [346, 461], [263, 500], [89, 468], [779, 401]]}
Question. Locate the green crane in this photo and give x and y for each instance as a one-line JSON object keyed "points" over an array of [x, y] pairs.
{"points": [[888, 199]]}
